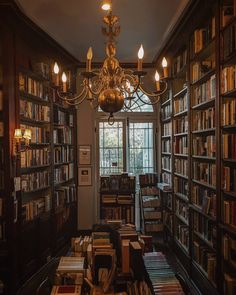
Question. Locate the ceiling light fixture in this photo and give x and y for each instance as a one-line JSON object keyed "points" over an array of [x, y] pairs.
{"points": [[112, 87]]}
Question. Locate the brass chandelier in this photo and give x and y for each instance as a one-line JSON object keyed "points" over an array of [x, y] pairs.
{"points": [[112, 88]]}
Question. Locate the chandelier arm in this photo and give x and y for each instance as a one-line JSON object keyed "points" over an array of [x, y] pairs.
{"points": [[155, 94], [81, 96], [135, 82]]}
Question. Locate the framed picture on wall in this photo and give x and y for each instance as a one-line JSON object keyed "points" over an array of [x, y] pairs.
{"points": [[84, 154], [85, 176]]}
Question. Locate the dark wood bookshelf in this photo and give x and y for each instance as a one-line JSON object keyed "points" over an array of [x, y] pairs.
{"points": [[204, 105]]}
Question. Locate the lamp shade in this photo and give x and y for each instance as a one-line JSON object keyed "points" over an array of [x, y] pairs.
{"points": [[18, 134], [27, 134]]}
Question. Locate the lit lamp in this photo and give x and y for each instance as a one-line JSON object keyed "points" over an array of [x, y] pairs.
{"points": [[19, 137], [165, 68], [106, 5], [157, 79], [89, 59], [64, 80], [55, 75], [140, 58]]}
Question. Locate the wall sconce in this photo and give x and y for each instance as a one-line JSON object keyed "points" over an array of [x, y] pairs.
{"points": [[21, 140]]}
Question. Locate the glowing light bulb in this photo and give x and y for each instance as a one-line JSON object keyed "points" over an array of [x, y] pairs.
{"points": [[141, 52], [165, 68], [157, 79], [64, 80], [56, 68], [90, 53], [106, 5]]}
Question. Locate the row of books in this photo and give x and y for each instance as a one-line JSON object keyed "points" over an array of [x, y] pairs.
{"points": [[228, 79], [181, 104], [181, 145], [63, 154], [204, 146], [63, 118], [152, 214], [34, 181], [161, 275], [166, 162], [153, 226], [167, 129], [168, 201], [62, 135], [182, 209], [181, 186], [229, 179], [229, 249], [180, 125], [126, 213], [204, 172], [182, 234], [35, 157], [1, 155], [149, 190], [117, 182], [229, 112], [206, 259], [34, 111], [166, 112], [64, 195], [229, 146], [204, 119], [229, 41], [1, 129], [166, 145], [205, 199], [1, 207], [229, 212], [205, 91], [202, 36], [205, 227], [179, 62], [36, 207], [151, 202], [2, 230], [1, 100], [34, 87], [1, 180], [181, 166], [148, 179], [117, 199], [228, 12], [168, 220], [201, 68], [64, 173], [38, 134]]}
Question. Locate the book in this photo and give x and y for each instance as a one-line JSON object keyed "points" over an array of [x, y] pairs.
{"points": [[66, 290]]}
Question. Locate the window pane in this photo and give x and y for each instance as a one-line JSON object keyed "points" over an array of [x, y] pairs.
{"points": [[111, 147], [141, 148]]}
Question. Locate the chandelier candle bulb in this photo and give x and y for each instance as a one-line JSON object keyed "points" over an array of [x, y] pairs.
{"points": [[55, 75], [165, 68], [157, 79], [89, 59], [64, 80], [140, 57]]}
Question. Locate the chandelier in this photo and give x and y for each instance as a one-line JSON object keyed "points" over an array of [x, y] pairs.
{"points": [[111, 87]]}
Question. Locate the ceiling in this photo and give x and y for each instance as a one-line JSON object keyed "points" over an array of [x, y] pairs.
{"points": [[76, 25]]}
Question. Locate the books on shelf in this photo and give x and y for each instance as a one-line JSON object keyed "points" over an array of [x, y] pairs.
{"points": [[179, 62], [182, 209], [1, 100], [168, 218], [205, 91], [181, 166], [204, 172], [38, 134], [109, 199], [154, 226], [205, 199], [227, 13], [167, 129], [182, 234], [229, 215], [229, 146], [64, 195], [126, 213], [34, 181], [229, 284], [166, 163], [66, 290], [149, 190], [229, 41], [63, 173], [33, 87], [229, 249], [63, 154], [118, 183], [42, 69], [34, 111], [229, 112], [166, 145], [181, 145], [125, 199], [180, 125], [166, 178], [166, 111], [181, 186], [204, 119], [148, 179], [62, 117], [34, 208], [35, 157], [1, 129], [204, 146], [228, 79], [201, 68], [62, 135], [206, 259], [229, 179], [181, 104], [152, 214], [151, 202]]}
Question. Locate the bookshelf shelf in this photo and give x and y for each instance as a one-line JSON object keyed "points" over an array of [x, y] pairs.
{"points": [[27, 169], [205, 131], [166, 170], [31, 121], [182, 197], [181, 155], [181, 175], [200, 210], [181, 92], [205, 52], [168, 101], [204, 184], [35, 190], [166, 136], [166, 120], [181, 114], [35, 98], [228, 228], [183, 247], [203, 239], [204, 273], [229, 193], [232, 161], [203, 78], [181, 73], [204, 158], [229, 23], [204, 105], [182, 219], [181, 134], [166, 154]]}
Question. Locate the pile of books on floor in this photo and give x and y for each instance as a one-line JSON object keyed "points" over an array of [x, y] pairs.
{"points": [[161, 276]]}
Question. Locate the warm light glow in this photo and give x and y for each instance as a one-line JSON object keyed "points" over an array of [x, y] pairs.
{"points": [[141, 52], [56, 68], [157, 76], [27, 134], [164, 62], [90, 53], [18, 134], [63, 77], [106, 5]]}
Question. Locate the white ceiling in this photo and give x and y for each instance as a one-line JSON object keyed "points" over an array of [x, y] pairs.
{"points": [[76, 24]]}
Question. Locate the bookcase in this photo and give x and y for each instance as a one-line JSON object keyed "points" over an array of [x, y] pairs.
{"points": [[37, 184], [150, 204], [117, 197], [200, 219]]}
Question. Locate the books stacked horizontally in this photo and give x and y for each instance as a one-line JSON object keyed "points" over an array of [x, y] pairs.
{"points": [[161, 276], [66, 290], [80, 245]]}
